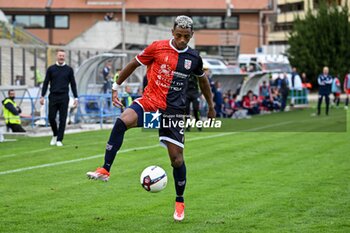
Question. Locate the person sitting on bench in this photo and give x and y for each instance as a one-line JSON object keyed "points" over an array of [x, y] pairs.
{"points": [[12, 113]]}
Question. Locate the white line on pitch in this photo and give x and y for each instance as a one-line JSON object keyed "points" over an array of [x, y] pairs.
{"points": [[125, 151]]}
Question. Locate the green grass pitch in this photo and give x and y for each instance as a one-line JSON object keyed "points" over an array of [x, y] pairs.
{"points": [[237, 182]]}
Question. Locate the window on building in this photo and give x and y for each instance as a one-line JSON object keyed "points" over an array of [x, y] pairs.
{"points": [[232, 23], [30, 21], [289, 7], [200, 22], [61, 21], [283, 27], [40, 21], [329, 2], [207, 22]]}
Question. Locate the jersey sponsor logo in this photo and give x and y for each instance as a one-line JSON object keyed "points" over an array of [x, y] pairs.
{"points": [[188, 64]]}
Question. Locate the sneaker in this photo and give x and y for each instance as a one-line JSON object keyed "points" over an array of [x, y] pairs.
{"points": [[53, 141], [346, 107], [99, 174], [179, 213], [58, 143]]}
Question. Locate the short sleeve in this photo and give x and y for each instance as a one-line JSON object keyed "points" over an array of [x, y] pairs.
{"points": [[147, 55], [199, 69]]}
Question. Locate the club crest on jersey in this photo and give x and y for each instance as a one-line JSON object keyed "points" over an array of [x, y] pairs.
{"points": [[188, 64]]}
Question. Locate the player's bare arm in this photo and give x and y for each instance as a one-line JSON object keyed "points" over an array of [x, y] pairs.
{"points": [[127, 71], [205, 88], [123, 75]]}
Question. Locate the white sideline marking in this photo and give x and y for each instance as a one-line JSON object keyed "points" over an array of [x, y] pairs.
{"points": [[8, 156], [128, 150], [72, 161], [28, 152], [53, 147]]}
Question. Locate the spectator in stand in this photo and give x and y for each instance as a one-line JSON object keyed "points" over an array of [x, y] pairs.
{"points": [[38, 77], [305, 81], [265, 96], [276, 100], [336, 90], [278, 81], [295, 86], [250, 102], [347, 90], [218, 100], [237, 110], [18, 81], [243, 69], [208, 73], [127, 97], [227, 110], [284, 91], [106, 77], [325, 87], [295, 78], [108, 16]]}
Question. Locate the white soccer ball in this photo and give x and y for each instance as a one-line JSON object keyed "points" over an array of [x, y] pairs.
{"points": [[153, 179]]}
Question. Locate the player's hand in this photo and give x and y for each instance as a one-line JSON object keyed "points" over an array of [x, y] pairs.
{"points": [[211, 112], [115, 100], [42, 100], [76, 101]]}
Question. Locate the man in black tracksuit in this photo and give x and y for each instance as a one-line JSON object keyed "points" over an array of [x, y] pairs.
{"points": [[325, 88], [59, 76]]}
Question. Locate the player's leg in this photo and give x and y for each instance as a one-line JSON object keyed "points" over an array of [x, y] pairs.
{"points": [[173, 139], [127, 120], [179, 174], [347, 98], [320, 97], [53, 108], [63, 110], [16, 128], [131, 117], [179, 169], [188, 110], [327, 100], [196, 112], [338, 99]]}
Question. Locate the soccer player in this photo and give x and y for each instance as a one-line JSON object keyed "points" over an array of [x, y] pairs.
{"points": [[169, 63]]}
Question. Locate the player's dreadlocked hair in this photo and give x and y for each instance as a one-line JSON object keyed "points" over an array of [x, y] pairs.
{"points": [[183, 21]]}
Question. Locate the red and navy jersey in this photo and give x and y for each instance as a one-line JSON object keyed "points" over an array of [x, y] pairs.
{"points": [[168, 70]]}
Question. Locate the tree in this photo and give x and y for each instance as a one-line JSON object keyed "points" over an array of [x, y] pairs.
{"points": [[321, 39]]}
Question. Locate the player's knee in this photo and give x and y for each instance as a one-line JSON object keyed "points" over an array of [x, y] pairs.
{"points": [[129, 117], [177, 160], [119, 126]]}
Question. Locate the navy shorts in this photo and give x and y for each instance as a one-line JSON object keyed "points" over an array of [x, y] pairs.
{"points": [[172, 133]]}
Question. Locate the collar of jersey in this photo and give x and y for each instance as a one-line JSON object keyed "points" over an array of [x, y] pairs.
{"points": [[179, 51], [58, 64]]}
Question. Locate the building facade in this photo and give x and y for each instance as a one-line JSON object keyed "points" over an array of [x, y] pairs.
{"points": [[287, 11], [58, 22]]}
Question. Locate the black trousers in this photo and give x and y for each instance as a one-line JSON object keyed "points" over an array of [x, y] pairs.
{"points": [[320, 98], [195, 105], [58, 103], [15, 127]]}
